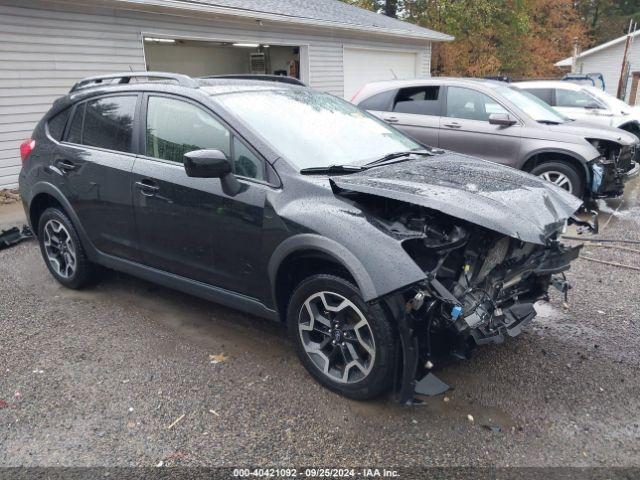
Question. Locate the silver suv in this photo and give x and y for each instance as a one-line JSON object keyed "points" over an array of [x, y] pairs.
{"points": [[506, 125]]}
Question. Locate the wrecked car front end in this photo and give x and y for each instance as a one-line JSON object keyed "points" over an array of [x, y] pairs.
{"points": [[487, 240], [616, 163]]}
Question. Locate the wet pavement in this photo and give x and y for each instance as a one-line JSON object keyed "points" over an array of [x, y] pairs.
{"points": [[121, 375]]}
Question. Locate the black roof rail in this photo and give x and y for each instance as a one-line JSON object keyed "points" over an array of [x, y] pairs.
{"points": [[124, 78]]}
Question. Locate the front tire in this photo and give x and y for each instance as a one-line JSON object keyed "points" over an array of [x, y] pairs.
{"points": [[345, 344], [563, 175], [62, 250]]}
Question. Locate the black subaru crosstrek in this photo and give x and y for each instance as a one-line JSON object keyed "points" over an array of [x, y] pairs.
{"points": [[294, 205]]}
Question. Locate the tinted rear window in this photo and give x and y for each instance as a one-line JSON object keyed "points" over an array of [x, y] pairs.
{"points": [[57, 123], [108, 123], [418, 100], [380, 102]]}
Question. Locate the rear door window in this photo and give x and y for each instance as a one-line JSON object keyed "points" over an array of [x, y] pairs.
{"points": [[108, 123], [381, 102], [418, 100], [105, 122]]}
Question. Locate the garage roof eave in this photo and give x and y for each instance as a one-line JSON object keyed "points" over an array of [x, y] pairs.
{"points": [[428, 35]]}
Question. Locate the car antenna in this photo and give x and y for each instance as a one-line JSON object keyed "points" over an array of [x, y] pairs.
{"points": [[395, 77]]}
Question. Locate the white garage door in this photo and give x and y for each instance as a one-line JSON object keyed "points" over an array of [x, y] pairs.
{"points": [[362, 66]]}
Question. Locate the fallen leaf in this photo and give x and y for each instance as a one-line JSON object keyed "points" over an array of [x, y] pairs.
{"points": [[176, 421], [3, 404], [470, 418], [221, 358]]}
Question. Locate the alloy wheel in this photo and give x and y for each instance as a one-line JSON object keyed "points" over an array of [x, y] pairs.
{"points": [[59, 248], [337, 337], [559, 179]]}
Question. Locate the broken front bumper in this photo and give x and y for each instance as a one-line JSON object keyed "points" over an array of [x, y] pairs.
{"points": [[493, 326], [608, 176], [607, 180]]}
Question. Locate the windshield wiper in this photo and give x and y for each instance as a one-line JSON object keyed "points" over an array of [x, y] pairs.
{"points": [[332, 169], [398, 155]]}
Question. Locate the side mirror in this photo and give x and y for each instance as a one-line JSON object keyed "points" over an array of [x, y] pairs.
{"points": [[502, 119], [207, 164], [212, 164]]}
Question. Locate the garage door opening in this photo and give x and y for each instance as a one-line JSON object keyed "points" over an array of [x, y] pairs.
{"points": [[200, 59]]}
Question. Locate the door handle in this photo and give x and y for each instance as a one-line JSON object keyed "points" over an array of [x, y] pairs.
{"points": [[147, 188], [391, 119], [452, 125], [65, 165]]}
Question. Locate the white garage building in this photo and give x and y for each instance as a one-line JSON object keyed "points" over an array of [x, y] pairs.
{"points": [[607, 60], [47, 45]]}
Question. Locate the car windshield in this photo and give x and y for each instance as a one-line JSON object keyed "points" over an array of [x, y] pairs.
{"points": [[532, 105], [607, 99], [315, 130]]}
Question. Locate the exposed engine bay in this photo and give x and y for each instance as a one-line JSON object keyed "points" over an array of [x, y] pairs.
{"points": [[480, 285], [609, 170]]}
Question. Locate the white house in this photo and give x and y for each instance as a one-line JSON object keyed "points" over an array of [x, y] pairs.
{"points": [[607, 59], [47, 45]]}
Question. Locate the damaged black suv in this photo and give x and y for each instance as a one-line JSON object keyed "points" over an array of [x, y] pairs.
{"points": [[294, 205]]}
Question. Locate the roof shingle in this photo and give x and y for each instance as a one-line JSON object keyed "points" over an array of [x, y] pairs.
{"points": [[333, 11]]}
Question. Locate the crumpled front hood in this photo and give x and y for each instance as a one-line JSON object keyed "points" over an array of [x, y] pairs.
{"points": [[499, 198], [589, 130]]}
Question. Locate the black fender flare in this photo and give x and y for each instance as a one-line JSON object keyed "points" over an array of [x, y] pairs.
{"points": [[342, 255], [568, 153], [54, 192]]}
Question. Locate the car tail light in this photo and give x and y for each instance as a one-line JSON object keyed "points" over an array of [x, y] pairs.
{"points": [[26, 148]]}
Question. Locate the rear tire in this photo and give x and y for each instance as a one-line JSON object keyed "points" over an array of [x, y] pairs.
{"points": [[62, 250], [562, 174], [345, 344]]}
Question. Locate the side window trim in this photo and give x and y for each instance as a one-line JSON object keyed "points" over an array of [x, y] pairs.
{"points": [[142, 141], [83, 103]]}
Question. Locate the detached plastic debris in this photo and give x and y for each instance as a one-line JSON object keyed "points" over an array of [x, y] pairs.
{"points": [[14, 236]]}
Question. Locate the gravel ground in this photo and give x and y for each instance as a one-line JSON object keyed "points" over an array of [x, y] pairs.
{"points": [[121, 375]]}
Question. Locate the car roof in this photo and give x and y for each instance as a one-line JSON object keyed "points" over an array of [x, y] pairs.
{"points": [[375, 88], [439, 80], [220, 86], [163, 83], [161, 80], [549, 84]]}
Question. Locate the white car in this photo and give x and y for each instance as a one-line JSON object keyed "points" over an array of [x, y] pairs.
{"points": [[586, 103]]}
